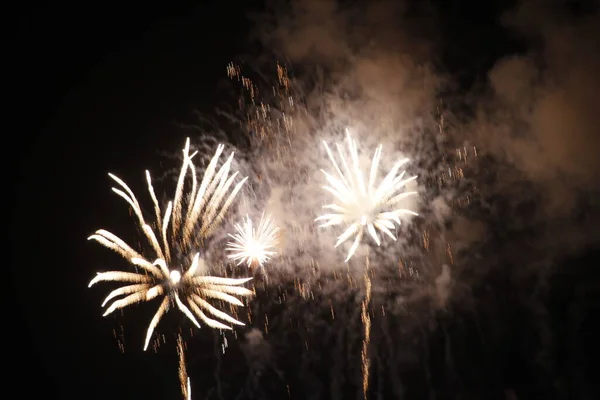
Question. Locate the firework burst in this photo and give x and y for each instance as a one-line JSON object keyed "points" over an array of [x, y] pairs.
{"points": [[253, 246], [362, 205], [206, 207]]}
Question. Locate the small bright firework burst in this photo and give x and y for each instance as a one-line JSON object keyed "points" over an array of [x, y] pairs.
{"points": [[363, 206], [206, 207], [254, 246]]}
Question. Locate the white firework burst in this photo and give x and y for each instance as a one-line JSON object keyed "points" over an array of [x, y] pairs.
{"points": [[206, 207], [253, 246], [362, 205]]}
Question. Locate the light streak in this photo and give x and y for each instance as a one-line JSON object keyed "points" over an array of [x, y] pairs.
{"points": [[366, 320]]}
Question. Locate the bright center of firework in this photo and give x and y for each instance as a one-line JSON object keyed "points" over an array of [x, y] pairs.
{"points": [[255, 250], [253, 245], [175, 276], [363, 210]]}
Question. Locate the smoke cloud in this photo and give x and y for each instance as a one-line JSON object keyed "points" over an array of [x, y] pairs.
{"points": [[362, 74], [507, 171], [374, 68], [541, 112]]}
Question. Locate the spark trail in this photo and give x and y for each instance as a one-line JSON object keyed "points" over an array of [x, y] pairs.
{"points": [[184, 379], [366, 320]]}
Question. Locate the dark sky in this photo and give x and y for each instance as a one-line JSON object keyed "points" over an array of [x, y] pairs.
{"points": [[100, 89]]}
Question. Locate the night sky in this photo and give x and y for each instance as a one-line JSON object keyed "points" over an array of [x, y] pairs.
{"points": [[101, 89]]}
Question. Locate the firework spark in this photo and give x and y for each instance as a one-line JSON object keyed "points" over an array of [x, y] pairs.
{"points": [[206, 207], [267, 111], [363, 205], [366, 320], [253, 246], [184, 380]]}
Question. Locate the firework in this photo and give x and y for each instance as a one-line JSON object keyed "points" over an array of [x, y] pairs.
{"points": [[267, 109], [206, 207], [362, 205], [184, 379], [253, 246], [366, 320]]}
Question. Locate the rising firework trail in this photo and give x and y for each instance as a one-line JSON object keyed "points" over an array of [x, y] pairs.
{"points": [[184, 379], [366, 320], [361, 205], [177, 229]]}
